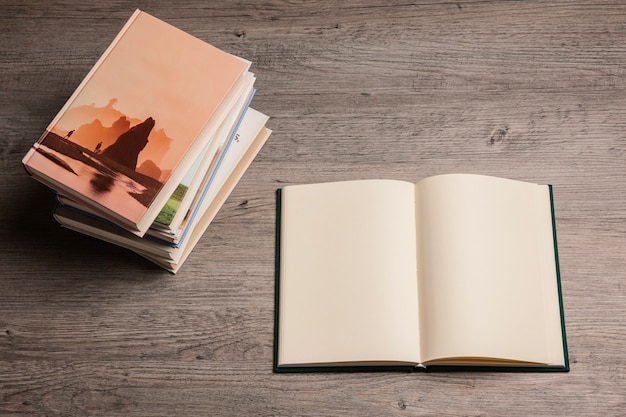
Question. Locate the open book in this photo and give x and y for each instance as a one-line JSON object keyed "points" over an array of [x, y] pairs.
{"points": [[455, 270]]}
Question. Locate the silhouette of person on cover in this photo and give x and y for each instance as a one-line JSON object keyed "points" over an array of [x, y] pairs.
{"points": [[98, 147], [70, 133]]}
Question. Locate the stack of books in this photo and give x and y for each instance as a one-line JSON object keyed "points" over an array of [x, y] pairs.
{"points": [[152, 142]]}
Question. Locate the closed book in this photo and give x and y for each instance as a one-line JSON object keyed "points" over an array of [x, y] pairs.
{"points": [[133, 128]]}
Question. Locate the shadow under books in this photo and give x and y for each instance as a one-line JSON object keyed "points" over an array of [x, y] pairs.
{"points": [[39, 240]]}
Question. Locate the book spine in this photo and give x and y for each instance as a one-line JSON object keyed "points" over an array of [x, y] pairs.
{"points": [[25, 159]]}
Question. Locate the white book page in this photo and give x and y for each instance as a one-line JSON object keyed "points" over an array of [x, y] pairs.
{"points": [[488, 286], [348, 292], [251, 135]]}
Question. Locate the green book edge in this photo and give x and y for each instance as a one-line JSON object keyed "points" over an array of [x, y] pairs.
{"points": [[432, 368], [558, 282]]}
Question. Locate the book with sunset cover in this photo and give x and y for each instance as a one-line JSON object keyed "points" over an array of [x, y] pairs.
{"points": [[241, 149], [170, 226], [136, 124]]}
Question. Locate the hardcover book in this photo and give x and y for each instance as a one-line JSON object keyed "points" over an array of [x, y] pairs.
{"points": [[125, 139], [455, 271], [240, 150]]}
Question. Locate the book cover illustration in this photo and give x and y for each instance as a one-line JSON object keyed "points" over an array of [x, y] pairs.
{"points": [[132, 120], [170, 208]]}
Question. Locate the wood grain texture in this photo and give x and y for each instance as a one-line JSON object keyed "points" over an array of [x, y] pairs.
{"points": [[528, 90]]}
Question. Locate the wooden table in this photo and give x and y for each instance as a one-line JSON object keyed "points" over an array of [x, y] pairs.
{"points": [[529, 90]]}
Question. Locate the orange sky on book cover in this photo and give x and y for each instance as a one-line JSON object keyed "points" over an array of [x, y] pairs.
{"points": [[155, 70], [143, 72]]}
